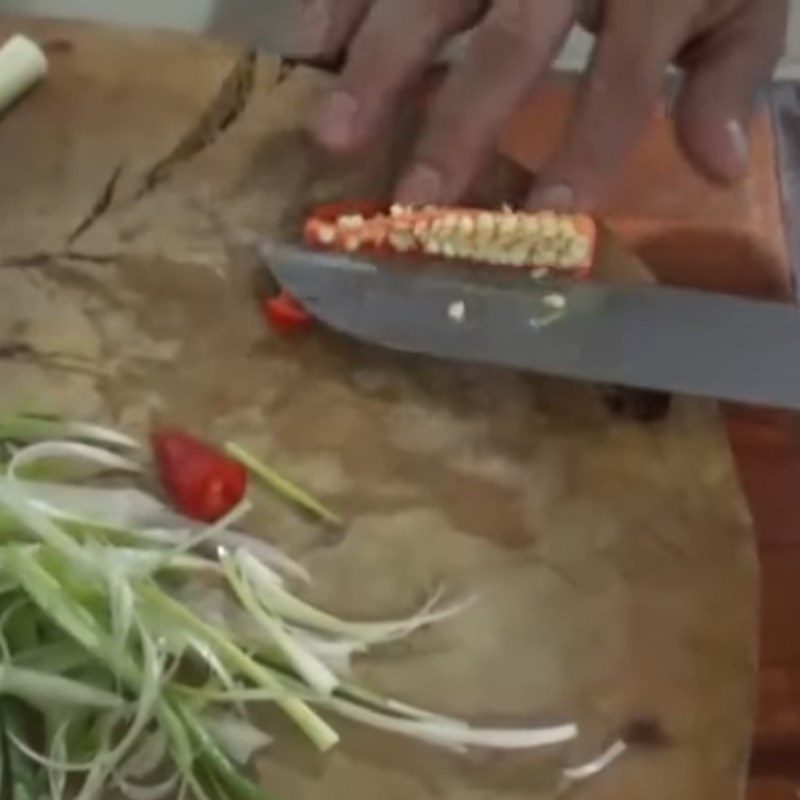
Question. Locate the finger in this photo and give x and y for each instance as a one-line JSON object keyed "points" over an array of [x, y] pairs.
{"points": [[326, 26], [614, 104], [509, 51], [392, 48], [714, 109]]}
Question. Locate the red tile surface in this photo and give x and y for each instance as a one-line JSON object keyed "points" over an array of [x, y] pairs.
{"points": [[728, 240]]}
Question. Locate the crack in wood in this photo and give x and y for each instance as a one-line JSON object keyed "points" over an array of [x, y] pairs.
{"points": [[42, 259], [23, 351], [100, 206], [38, 258], [13, 350], [89, 258], [227, 106]]}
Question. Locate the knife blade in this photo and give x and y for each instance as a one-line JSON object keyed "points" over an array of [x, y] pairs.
{"points": [[271, 26], [646, 337]]}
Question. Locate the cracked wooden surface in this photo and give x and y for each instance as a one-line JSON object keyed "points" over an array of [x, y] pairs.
{"points": [[613, 559]]}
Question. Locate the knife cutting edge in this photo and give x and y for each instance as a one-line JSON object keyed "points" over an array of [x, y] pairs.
{"points": [[646, 337]]}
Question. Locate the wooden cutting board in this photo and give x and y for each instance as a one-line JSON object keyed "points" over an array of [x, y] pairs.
{"points": [[613, 560]]}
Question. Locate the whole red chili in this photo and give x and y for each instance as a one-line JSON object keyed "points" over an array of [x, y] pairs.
{"points": [[285, 314], [202, 483]]}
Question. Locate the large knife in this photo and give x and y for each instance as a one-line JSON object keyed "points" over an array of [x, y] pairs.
{"points": [[647, 336], [644, 337], [268, 24]]}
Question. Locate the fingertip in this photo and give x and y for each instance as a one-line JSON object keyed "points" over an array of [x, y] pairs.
{"points": [[335, 126], [422, 184], [717, 103], [716, 144], [736, 148]]}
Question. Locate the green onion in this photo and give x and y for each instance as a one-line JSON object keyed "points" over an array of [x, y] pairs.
{"points": [[23, 778], [135, 642], [315, 728], [27, 428], [311, 668], [282, 486]]}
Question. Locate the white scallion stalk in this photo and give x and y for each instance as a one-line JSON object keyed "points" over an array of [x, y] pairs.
{"points": [[337, 654], [219, 528], [122, 606], [46, 689], [593, 768], [323, 736], [313, 671], [96, 434], [145, 710], [57, 778], [22, 65], [150, 641], [56, 658], [456, 736], [214, 663], [43, 528], [294, 610], [238, 737], [45, 591], [28, 428], [157, 791], [127, 510], [72, 451], [147, 758], [47, 761], [395, 707], [140, 517]]}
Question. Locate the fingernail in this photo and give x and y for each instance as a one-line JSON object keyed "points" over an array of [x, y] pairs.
{"points": [[558, 197], [422, 184], [336, 124], [315, 26], [738, 146]]}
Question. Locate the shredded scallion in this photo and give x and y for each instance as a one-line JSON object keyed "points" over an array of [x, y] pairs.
{"points": [[134, 643]]}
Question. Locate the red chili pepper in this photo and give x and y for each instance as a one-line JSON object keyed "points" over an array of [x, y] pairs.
{"points": [[330, 212], [285, 314], [203, 483], [327, 215], [545, 241]]}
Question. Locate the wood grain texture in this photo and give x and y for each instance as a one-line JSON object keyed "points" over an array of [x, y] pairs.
{"points": [[613, 560]]}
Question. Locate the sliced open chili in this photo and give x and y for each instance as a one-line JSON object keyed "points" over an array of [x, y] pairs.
{"points": [[544, 240]]}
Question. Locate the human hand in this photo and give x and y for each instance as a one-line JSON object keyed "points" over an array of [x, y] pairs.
{"points": [[727, 47]]}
